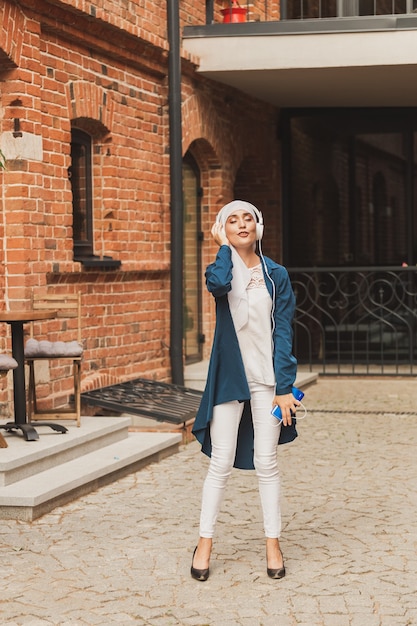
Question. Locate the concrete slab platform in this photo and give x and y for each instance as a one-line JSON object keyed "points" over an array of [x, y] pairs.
{"points": [[195, 376]]}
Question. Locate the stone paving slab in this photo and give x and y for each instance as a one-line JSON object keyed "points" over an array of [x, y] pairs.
{"points": [[122, 554]]}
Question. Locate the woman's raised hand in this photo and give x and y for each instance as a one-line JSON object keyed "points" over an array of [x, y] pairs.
{"points": [[219, 234]]}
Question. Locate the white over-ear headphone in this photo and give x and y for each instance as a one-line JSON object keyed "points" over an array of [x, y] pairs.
{"points": [[259, 225], [251, 207]]}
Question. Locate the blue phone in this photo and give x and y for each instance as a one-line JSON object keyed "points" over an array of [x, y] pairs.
{"points": [[298, 395]]}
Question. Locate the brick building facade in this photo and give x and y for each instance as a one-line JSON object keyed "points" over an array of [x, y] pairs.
{"points": [[101, 71]]}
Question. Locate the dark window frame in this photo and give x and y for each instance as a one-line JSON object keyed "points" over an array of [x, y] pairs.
{"points": [[82, 194]]}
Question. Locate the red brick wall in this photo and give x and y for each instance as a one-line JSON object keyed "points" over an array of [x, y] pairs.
{"points": [[107, 74]]}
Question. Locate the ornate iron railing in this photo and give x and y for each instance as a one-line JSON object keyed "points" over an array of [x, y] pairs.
{"points": [[356, 320]]}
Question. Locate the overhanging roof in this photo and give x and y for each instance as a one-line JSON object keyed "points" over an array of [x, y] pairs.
{"points": [[330, 62]]}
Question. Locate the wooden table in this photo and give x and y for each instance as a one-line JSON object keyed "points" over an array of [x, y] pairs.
{"points": [[16, 319]]}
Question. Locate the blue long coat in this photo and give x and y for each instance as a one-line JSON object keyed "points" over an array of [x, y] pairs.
{"points": [[226, 379]]}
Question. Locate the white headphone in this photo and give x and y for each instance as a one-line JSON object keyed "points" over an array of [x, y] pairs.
{"points": [[251, 209]]}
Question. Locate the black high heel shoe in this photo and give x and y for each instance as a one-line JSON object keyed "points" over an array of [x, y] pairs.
{"points": [[199, 574], [276, 573]]}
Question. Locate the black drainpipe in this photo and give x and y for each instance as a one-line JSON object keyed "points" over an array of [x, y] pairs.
{"points": [[176, 197]]}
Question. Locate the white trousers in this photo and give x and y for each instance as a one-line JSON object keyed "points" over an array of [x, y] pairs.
{"points": [[223, 429]]}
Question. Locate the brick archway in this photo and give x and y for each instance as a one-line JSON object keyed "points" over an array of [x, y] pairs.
{"points": [[12, 28], [89, 101], [201, 129]]}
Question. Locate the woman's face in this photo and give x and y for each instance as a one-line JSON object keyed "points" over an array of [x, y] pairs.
{"points": [[240, 229]]}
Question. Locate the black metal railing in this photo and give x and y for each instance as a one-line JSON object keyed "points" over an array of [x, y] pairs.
{"points": [[321, 9], [356, 320], [271, 10]]}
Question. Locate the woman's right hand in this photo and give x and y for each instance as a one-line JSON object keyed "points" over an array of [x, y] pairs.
{"points": [[219, 235]]}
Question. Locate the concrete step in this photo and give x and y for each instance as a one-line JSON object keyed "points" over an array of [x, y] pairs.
{"points": [[36, 495], [195, 376], [23, 458]]}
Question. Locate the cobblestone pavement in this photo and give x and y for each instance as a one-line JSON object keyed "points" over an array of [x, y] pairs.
{"points": [[122, 554]]}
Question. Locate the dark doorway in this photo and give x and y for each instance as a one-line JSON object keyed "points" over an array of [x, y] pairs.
{"points": [[350, 236], [349, 180]]}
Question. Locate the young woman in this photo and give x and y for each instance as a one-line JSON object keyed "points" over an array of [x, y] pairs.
{"points": [[251, 370]]}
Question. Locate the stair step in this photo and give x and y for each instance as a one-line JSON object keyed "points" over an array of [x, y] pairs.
{"points": [[195, 376], [25, 458], [36, 495]]}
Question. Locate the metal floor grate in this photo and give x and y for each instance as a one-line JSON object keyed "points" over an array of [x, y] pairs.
{"points": [[148, 398]]}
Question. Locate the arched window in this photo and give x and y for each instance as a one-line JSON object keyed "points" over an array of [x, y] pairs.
{"points": [[82, 203]]}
